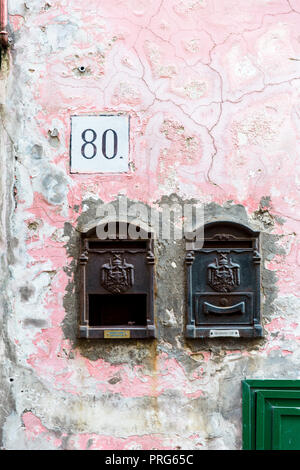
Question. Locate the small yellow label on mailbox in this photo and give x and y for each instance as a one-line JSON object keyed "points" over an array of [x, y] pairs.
{"points": [[116, 334]]}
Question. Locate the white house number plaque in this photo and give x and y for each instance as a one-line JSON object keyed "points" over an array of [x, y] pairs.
{"points": [[99, 144]]}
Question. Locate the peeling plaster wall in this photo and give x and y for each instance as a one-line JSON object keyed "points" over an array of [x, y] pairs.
{"points": [[212, 88]]}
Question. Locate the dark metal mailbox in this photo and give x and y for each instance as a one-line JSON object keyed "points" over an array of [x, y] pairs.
{"points": [[117, 287], [223, 282]]}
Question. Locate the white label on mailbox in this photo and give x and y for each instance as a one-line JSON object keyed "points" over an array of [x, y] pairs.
{"points": [[220, 333], [99, 144]]}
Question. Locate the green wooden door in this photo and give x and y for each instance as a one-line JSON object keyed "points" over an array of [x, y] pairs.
{"points": [[271, 414]]}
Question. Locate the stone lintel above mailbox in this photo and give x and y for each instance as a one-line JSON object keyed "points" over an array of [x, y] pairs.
{"points": [[117, 278], [223, 281]]}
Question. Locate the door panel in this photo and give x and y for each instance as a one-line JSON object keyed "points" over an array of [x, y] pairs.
{"points": [[271, 414], [267, 401], [286, 428]]}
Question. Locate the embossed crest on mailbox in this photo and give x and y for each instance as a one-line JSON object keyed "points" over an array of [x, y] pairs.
{"points": [[223, 282], [117, 286]]}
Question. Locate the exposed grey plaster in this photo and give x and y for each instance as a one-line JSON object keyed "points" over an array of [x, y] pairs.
{"points": [[7, 353]]}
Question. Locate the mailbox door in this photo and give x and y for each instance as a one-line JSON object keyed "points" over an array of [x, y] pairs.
{"points": [[223, 292], [223, 281], [117, 279]]}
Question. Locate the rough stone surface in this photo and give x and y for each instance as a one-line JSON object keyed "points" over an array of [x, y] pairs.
{"points": [[212, 88]]}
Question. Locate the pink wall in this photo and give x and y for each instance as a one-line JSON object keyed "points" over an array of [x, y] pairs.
{"points": [[212, 89]]}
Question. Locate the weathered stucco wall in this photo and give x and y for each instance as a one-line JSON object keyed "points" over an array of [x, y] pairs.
{"points": [[212, 88]]}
